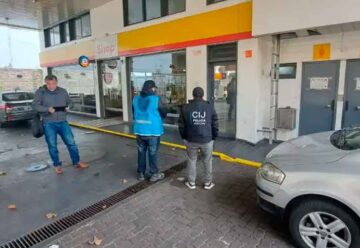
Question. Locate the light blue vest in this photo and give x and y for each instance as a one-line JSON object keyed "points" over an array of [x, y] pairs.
{"points": [[147, 119]]}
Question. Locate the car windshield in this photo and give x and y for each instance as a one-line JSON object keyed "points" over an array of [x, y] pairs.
{"points": [[346, 139], [17, 96]]}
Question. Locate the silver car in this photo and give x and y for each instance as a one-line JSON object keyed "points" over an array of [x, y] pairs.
{"points": [[16, 106], [313, 183]]}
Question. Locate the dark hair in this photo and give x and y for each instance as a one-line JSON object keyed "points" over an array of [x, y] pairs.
{"points": [[149, 84], [51, 77], [198, 92]]}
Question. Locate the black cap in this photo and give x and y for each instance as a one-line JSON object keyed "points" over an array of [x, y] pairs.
{"points": [[198, 92], [149, 84]]}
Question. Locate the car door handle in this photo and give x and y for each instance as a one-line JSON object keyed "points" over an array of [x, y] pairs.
{"points": [[357, 107]]}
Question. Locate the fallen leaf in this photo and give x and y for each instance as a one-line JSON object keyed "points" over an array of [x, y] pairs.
{"points": [[12, 206], [125, 181], [51, 216], [96, 241], [2, 173]]}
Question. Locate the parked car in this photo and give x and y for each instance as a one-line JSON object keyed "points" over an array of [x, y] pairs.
{"points": [[313, 183], [16, 106]]}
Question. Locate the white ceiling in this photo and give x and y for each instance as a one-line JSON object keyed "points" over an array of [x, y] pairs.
{"points": [[37, 14]]}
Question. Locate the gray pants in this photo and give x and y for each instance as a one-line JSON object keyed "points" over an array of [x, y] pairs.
{"points": [[206, 157]]}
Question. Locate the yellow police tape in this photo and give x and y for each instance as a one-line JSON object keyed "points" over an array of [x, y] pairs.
{"points": [[220, 155]]}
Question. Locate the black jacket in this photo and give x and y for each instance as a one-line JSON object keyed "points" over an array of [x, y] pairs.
{"points": [[198, 122]]}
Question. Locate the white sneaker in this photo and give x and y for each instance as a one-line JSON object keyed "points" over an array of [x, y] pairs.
{"points": [[209, 186], [190, 185]]}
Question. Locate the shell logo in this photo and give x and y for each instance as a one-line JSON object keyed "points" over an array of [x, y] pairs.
{"points": [[84, 61]]}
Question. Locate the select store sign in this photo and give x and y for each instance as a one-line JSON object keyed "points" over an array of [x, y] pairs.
{"points": [[106, 47]]}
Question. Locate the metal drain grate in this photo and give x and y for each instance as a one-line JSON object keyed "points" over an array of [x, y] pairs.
{"points": [[48, 231]]}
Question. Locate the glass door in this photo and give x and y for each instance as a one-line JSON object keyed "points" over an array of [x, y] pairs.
{"points": [[111, 88], [222, 93]]}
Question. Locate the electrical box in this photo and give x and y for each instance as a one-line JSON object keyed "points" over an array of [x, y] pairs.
{"points": [[286, 118]]}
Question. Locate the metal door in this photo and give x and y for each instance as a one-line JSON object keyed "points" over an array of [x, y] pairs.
{"points": [[318, 96], [351, 117]]}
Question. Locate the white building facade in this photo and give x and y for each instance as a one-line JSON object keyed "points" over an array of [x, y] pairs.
{"points": [[224, 47]]}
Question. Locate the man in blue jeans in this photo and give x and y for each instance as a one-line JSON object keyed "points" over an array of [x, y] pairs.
{"points": [[52, 102], [148, 127]]}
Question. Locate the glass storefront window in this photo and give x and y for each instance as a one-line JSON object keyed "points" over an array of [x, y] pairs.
{"points": [[222, 86], [80, 83], [168, 70], [223, 95], [112, 91]]}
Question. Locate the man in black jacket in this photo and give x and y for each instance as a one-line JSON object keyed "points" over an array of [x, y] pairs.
{"points": [[198, 126]]}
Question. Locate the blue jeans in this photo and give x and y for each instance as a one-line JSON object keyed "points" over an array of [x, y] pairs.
{"points": [[51, 130], [151, 145]]}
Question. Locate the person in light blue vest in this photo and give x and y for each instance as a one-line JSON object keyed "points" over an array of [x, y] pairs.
{"points": [[148, 128]]}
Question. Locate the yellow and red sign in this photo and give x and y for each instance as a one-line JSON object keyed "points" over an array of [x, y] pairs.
{"points": [[322, 51], [223, 25], [219, 26], [67, 54]]}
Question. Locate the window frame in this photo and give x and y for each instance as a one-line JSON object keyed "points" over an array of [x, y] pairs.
{"points": [[209, 2], [82, 25], [68, 26], [64, 32], [164, 10], [288, 76], [52, 32], [130, 69], [47, 37]]}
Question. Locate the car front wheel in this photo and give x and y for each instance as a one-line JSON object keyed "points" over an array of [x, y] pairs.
{"points": [[323, 224]]}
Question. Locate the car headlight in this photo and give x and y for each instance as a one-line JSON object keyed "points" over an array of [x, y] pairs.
{"points": [[271, 173]]}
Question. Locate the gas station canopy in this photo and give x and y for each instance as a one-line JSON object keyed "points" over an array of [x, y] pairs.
{"points": [[37, 14]]}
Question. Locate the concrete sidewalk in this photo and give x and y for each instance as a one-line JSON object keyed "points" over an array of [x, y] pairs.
{"points": [[112, 169], [170, 215], [231, 147]]}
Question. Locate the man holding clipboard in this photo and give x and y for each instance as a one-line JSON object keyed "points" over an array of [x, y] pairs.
{"points": [[52, 103]]}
